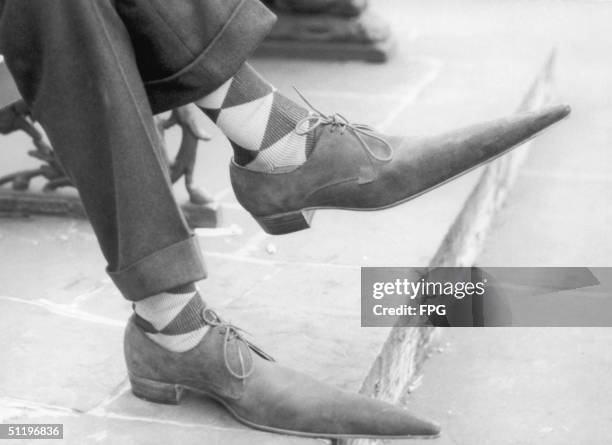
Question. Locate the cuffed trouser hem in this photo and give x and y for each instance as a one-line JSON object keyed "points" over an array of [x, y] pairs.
{"points": [[173, 266], [248, 25]]}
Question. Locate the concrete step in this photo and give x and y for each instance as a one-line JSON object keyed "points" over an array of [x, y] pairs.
{"points": [[539, 385]]}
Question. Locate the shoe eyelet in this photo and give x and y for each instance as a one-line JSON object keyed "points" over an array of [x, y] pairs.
{"points": [[207, 318]]}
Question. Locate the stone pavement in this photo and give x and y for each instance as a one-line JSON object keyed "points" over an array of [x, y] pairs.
{"points": [[61, 320]]}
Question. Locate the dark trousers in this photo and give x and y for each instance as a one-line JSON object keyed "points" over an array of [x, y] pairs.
{"points": [[93, 73]]}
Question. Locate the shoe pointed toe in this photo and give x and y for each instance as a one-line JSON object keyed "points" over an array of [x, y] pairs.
{"points": [[555, 113], [420, 428], [521, 127], [385, 420], [425, 163], [283, 400]]}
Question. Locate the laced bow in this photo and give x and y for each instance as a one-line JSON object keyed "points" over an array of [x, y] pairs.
{"points": [[231, 332], [338, 121]]}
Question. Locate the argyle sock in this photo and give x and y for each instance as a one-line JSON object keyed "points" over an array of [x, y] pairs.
{"points": [[259, 122], [173, 319]]}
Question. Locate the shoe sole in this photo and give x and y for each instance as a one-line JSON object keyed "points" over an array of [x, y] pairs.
{"points": [[172, 393], [285, 223]]}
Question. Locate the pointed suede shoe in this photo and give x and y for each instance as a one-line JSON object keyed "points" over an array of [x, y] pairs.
{"points": [[256, 390], [352, 167]]}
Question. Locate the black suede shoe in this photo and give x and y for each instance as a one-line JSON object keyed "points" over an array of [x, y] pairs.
{"points": [[352, 167], [257, 391]]}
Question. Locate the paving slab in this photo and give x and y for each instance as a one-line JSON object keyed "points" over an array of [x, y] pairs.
{"points": [[35, 346], [520, 386], [38, 250]]}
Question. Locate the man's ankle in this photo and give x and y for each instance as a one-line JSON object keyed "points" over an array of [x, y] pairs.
{"points": [[173, 319], [259, 122]]}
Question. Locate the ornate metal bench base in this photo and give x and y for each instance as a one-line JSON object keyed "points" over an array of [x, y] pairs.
{"points": [[17, 200], [26, 203]]}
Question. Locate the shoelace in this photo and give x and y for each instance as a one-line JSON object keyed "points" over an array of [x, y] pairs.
{"points": [[231, 332], [336, 120]]}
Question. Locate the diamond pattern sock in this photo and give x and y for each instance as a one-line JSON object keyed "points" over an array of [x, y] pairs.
{"points": [[173, 319], [259, 122]]}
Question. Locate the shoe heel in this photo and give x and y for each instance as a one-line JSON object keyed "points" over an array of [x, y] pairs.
{"points": [[283, 223], [157, 392]]}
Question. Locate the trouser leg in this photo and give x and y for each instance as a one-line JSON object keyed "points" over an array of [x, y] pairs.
{"points": [[186, 49], [74, 63], [93, 72]]}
